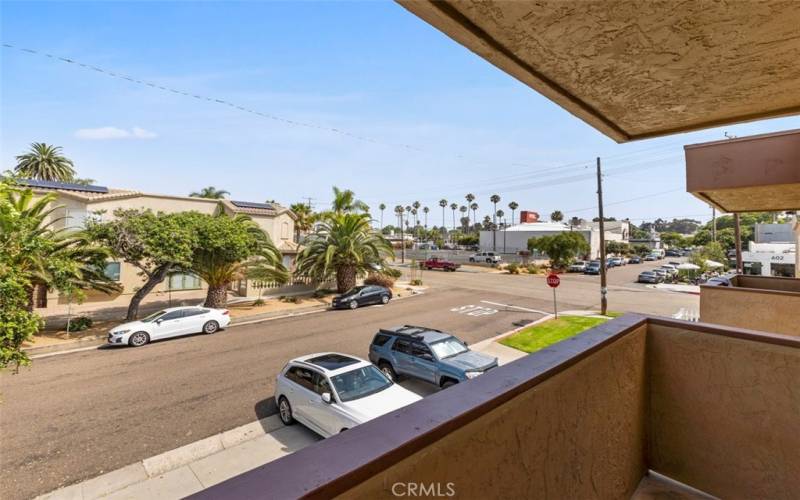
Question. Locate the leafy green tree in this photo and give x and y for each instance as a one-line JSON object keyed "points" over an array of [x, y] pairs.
{"points": [[618, 247], [674, 240], [210, 192], [306, 218], [561, 248], [640, 250], [343, 246], [230, 248], [157, 244], [557, 216], [711, 251], [46, 163]]}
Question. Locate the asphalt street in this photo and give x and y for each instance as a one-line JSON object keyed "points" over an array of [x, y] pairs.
{"points": [[76, 415]]}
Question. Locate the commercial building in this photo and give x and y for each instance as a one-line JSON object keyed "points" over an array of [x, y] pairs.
{"points": [[513, 239], [75, 203], [772, 253]]}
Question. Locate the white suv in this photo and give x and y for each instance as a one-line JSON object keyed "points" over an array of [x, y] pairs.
{"points": [[330, 392], [488, 257]]}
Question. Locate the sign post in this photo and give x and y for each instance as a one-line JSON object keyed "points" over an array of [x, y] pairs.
{"points": [[553, 281]]}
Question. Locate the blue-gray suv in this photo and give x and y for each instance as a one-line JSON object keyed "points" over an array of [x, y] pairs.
{"points": [[427, 354]]}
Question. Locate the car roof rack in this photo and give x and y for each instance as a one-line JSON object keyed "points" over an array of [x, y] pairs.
{"points": [[409, 330]]}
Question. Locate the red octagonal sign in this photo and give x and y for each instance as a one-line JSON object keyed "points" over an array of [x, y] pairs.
{"points": [[553, 280]]}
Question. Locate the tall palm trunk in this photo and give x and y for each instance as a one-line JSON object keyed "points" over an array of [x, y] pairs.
{"points": [[217, 296], [345, 278]]}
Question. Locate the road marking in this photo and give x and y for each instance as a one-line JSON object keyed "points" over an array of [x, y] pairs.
{"points": [[48, 354], [515, 307], [472, 310]]}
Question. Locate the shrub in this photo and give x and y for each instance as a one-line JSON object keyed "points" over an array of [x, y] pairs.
{"points": [[391, 272], [258, 302], [80, 324], [380, 280], [294, 299], [416, 282], [513, 268], [533, 269]]}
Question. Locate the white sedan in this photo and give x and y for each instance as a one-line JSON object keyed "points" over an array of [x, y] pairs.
{"points": [[330, 393], [171, 322]]}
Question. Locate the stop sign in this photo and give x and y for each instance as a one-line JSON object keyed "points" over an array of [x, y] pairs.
{"points": [[553, 280]]}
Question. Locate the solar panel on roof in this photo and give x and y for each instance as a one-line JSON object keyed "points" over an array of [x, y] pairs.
{"points": [[249, 204], [63, 185]]}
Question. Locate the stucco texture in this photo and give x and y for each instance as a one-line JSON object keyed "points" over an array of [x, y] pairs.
{"points": [[638, 69], [753, 310], [724, 413], [579, 434]]}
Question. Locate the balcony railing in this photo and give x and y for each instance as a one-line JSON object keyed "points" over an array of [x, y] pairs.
{"points": [[770, 304], [715, 408]]}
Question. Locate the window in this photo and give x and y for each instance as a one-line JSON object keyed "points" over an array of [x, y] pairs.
{"points": [[302, 377], [420, 350], [153, 317], [448, 347], [401, 345], [75, 218], [285, 231], [183, 281], [321, 384], [752, 268], [195, 311], [112, 270], [172, 315], [380, 339], [360, 383]]}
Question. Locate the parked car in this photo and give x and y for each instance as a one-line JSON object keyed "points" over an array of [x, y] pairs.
{"points": [[592, 267], [331, 392], [672, 253], [439, 263], [673, 270], [578, 266], [635, 260], [427, 354], [650, 257], [488, 257], [662, 273], [614, 262], [362, 296], [171, 322], [648, 277]]}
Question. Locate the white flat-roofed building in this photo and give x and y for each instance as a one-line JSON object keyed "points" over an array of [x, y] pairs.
{"points": [[514, 239]]}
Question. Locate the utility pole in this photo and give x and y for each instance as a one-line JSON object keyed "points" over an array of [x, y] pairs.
{"points": [[603, 289], [738, 236], [714, 223]]}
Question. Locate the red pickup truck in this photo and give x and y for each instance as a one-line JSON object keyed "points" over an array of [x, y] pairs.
{"points": [[437, 263]]}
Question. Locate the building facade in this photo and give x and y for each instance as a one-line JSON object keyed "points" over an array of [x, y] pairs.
{"points": [[773, 253], [514, 239], [76, 203]]}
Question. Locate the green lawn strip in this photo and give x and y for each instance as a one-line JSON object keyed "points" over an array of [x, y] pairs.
{"points": [[548, 333]]}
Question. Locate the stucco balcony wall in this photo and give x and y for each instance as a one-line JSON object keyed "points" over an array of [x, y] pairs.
{"points": [[769, 304]]}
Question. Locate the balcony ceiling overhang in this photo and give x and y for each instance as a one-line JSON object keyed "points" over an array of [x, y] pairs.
{"points": [[748, 174], [635, 70]]}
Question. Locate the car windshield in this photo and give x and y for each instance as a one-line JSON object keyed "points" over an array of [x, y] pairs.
{"points": [[153, 317], [448, 347], [360, 383], [352, 291]]}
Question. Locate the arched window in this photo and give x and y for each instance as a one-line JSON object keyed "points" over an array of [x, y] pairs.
{"points": [[285, 231]]}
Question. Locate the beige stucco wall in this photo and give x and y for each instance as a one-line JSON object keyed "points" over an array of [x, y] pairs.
{"points": [[724, 413], [579, 434], [755, 310]]}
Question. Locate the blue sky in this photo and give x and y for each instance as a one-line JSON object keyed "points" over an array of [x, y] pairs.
{"points": [[371, 69]]}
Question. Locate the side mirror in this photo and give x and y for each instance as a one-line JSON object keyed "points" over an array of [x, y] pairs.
{"points": [[326, 397], [158, 321]]}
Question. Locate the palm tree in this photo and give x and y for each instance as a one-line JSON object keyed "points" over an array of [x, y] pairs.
{"points": [[443, 204], [305, 219], [575, 222], [258, 258], [557, 216], [210, 192], [500, 214], [495, 199], [62, 259], [474, 207], [513, 206], [343, 246], [399, 211], [464, 223], [382, 207], [45, 163], [463, 209], [425, 210], [453, 207], [344, 201]]}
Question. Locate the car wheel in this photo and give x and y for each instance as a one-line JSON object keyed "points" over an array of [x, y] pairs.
{"points": [[138, 339], [448, 383], [353, 304], [210, 327], [285, 411], [384, 299], [488, 261], [387, 370], [471, 259]]}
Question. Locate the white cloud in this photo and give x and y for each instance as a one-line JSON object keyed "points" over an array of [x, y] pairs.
{"points": [[107, 133]]}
